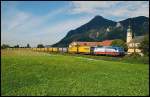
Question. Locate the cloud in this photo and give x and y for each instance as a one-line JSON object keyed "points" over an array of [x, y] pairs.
{"points": [[19, 26], [89, 6], [23, 27], [111, 8], [54, 33], [22, 20]]}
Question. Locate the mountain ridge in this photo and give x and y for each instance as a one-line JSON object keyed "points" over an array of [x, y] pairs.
{"points": [[99, 29]]}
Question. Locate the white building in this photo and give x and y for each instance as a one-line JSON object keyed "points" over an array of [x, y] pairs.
{"points": [[133, 43]]}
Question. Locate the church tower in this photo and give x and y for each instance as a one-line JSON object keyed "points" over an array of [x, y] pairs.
{"points": [[129, 34]]}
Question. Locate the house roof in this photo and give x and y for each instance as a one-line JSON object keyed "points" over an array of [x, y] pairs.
{"points": [[137, 39], [106, 42], [103, 43]]}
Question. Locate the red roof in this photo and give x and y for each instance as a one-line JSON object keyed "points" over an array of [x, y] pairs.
{"points": [[103, 43], [106, 42]]}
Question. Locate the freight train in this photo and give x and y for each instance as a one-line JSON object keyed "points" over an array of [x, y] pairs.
{"points": [[97, 50]]}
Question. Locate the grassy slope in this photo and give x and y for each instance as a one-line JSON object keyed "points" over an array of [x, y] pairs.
{"points": [[33, 73]]}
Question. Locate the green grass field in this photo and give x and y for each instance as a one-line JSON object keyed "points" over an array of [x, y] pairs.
{"points": [[25, 72]]}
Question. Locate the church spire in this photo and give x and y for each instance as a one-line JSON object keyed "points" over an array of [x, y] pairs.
{"points": [[129, 27], [129, 33]]}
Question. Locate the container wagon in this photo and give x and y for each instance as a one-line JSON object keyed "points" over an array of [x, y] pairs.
{"points": [[84, 49], [73, 50]]}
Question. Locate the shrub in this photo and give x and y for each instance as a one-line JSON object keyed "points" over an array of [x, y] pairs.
{"points": [[144, 46], [136, 58], [4, 46], [119, 42], [40, 46]]}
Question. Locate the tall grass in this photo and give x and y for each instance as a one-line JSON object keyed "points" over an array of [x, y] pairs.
{"points": [[35, 74]]}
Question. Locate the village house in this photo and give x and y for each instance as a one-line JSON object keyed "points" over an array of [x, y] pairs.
{"points": [[103, 43]]}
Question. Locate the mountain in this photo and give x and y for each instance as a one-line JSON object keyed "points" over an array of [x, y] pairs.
{"points": [[140, 25], [99, 29]]}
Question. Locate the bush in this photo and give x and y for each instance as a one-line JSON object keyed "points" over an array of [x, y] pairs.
{"points": [[40, 46], [4, 46], [136, 58], [16, 46], [119, 42], [28, 46], [144, 46], [133, 55]]}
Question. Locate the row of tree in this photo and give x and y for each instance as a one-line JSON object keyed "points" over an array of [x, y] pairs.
{"points": [[3, 46]]}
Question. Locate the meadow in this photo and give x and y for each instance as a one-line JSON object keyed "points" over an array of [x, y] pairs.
{"points": [[25, 72]]}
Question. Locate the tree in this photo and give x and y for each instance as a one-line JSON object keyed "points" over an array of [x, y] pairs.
{"points": [[144, 45], [28, 46], [4, 46], [16, 46], [40, 46], [119, 42]]}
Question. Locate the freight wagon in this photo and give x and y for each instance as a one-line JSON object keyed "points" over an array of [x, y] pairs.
{"points": [[63, 50], [72, 50], [55, 49], [50, 49], [84, 49]]}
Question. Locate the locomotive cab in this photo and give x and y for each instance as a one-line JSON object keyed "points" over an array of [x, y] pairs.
{"points": [[120, 50]]}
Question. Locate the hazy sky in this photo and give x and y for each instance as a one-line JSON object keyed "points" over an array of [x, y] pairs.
{"points": [[47, 22]]}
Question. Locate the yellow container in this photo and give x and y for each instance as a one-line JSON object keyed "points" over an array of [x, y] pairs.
{"points": [[45, 49], [72, 49], [84, 49], [49, 49], [55, 49], [38, 49], [34, 49], [42, 49]]}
